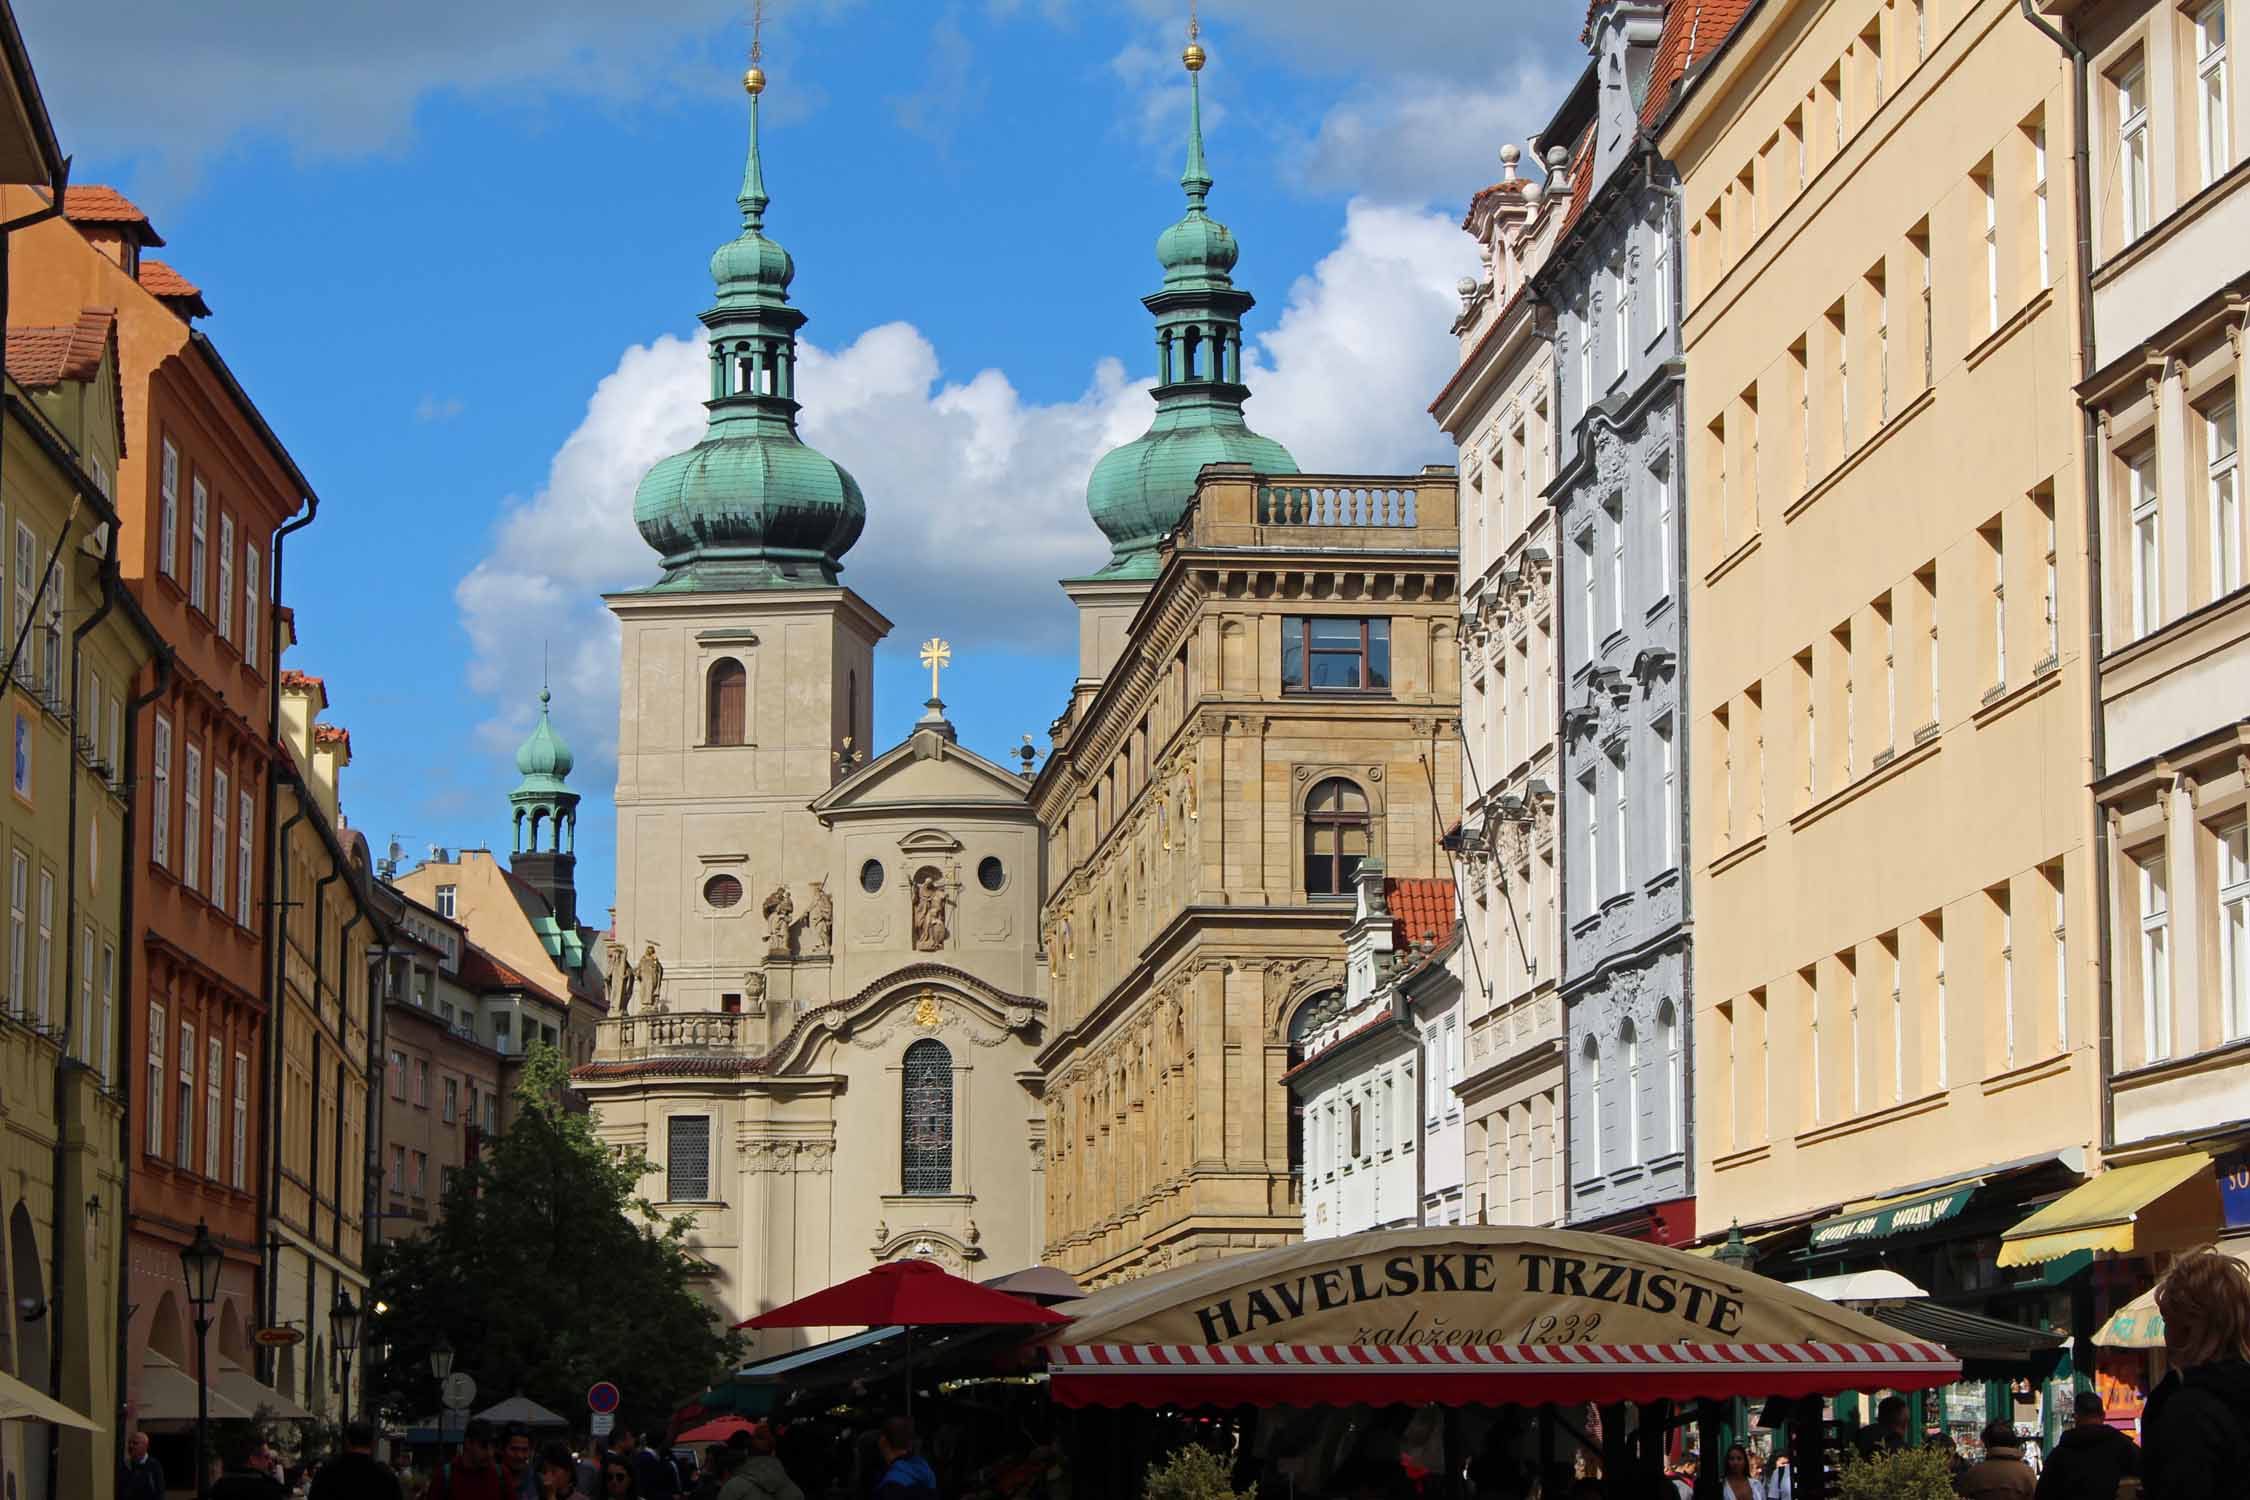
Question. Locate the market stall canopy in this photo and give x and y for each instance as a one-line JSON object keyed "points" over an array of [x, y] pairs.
{"points": [[168, 1395], [2139, 1324], [1988, 1348], [246, 1390], [716, 1431], [1467, 1314], [22, 1403], [1041, 1284], [2152, 1205], [1861, 1286], [911, 1293], [521, 1409]]}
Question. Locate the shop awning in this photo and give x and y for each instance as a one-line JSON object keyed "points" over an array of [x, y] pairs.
{"points": [[1974, 1338], [246, 1390], [168, 1394], [2138, 1324], [1470, 1315], [1862, 1286], [1880, 1218], [2150, 1205], [22, 1403]]}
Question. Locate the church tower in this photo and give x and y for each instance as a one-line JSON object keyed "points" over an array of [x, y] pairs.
{"points": [[1138, 492], [835, 986], [546, 819]]}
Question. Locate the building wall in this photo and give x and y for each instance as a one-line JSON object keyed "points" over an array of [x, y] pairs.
{"points": [[1620, 499], [198, 961], [1501, 407], [65, 882], [2170, 290], [1180, 935], [1363, 1144], [1877, 650]]}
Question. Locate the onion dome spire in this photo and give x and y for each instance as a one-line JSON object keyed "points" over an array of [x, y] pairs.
{"points": [[545, 808], [1139, 492], [751, 506]]}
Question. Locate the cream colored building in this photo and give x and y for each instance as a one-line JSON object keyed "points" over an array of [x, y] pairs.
{"points": [[1500, 407], [2170, 219], [323, 1025], [1205, 811], [1896, 936], [834, 998]]}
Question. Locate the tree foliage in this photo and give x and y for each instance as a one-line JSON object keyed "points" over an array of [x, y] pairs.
{"points": [[546, 1272], [1904, 1474], [1194, 1472]]}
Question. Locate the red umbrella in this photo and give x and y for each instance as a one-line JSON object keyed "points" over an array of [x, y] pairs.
{"points": [[910, 1293], [716, 1431]]}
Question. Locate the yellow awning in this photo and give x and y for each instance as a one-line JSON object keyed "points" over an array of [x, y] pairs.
{"points": [[21, 1403], [2164, 1204]]}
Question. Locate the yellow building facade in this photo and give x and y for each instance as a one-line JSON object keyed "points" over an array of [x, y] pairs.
{"points": [[319, 1177], [74, 647], [1895, 953], [1204, 810]]}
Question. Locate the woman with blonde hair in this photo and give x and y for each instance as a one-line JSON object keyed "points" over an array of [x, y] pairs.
{"points": [[2196, 1426]]}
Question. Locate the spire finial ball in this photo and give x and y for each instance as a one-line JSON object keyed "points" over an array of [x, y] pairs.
{"points": [[1193, 57], [754, 81]]}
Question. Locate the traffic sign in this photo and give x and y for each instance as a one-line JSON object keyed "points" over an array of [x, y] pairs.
{"points": [[459, 1391], [603, 1423], [278, 1338], [602, 1397]]}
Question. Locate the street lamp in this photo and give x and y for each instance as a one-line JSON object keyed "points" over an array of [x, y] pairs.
{"points": [[441, 1365], [343, 1337], [200, 1262]]}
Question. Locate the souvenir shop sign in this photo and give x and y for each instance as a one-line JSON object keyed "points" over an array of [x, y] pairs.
{"points": [[2234, 1191], [1463, 1287], [1905, 1216]]}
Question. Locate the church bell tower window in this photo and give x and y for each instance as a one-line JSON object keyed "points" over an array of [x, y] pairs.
{"points": [[725, 705]]}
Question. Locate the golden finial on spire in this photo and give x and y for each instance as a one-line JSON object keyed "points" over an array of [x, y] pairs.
{"points": [[754, 81], [1193, 57]]}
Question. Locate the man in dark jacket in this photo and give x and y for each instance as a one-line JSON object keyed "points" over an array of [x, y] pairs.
{"points": [[250, 1476], [354, 1474], [2090, 1458], [143, 1478], [1887, 1433], [907, 1475]]}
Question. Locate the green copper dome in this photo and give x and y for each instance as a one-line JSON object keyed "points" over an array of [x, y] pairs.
{"points": [[751, 506], [543, 759], [1139, 492]]}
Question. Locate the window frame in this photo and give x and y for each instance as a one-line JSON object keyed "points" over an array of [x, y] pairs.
{"points": [[199, 543], [2222, 490], [717, 726], [2134, 166], [2152, 881], [2144, 522], [2231, 884], [1297, 635], [2214, 133], [1336, 823], [929, 1124]]}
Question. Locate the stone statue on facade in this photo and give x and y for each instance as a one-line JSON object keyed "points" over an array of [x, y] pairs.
{"points": [[820, 919], [617, 978], [754, 992], [778, 910], [649, 980], [930, 898]]}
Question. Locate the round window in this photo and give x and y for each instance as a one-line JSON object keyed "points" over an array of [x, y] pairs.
{"points": [[871, 876], [722, 891], [991, 874]]}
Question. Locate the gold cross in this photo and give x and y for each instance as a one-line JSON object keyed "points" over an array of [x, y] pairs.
{"points": [[935, 655]]}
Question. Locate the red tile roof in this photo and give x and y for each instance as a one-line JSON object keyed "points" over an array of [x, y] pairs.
{"points": [[480, 970], [1422, 910], [38, 358], [1693, 30], [333, 734], [97, 204], [1581, 179], [292, 678], [162, 282]]}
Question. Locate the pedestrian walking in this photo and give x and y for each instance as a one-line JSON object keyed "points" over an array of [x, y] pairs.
{"points": [[2197, 1421], [143, 1478], [2001, 1474], [354, 1474], [252, 1475], [653, 1469], [758, 1474], [473, 1473], [1887, 1433], [618, 1482], [2090, 1459], [557, 1472], [1738, 1482], [906, 1475]]}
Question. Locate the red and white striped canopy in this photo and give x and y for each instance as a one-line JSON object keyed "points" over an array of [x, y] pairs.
{"points": [[1483, 1374]]}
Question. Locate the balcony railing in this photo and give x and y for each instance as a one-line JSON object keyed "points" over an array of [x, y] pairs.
{"points": [[1236, 507], [690, 1034]]}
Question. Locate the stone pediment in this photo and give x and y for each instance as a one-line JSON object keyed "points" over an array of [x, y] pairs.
{"points": [[927, 770]]}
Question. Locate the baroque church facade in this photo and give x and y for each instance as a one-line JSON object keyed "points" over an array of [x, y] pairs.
{"points": [[825, 994]]}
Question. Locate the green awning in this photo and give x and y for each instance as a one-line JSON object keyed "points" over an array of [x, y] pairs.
{"points": [[1886, 1217]]}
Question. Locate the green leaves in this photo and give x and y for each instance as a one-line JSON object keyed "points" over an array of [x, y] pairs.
{"points": [[547, 1271]]}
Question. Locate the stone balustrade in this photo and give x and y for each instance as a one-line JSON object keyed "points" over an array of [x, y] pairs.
{"points": [[1236, 507], [673, 1034]]}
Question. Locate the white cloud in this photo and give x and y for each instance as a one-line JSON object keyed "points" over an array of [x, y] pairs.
{"points": [[976, 497], [1427, 140], [436, 408]]}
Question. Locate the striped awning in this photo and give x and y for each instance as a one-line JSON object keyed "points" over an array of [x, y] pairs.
{"points": [[1482, 1374]]}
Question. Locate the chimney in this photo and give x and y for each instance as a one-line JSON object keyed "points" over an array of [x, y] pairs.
{"points": [[1370, 940]]}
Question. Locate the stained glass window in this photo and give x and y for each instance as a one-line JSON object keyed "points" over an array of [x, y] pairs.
{"points": [[928, 1100], [688, 1159]]}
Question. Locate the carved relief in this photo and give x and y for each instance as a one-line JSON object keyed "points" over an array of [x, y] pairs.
{"points": [[778, 909], [932, 901]]}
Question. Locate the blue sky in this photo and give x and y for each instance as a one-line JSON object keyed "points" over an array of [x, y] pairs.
{"points": [[456, 253]]}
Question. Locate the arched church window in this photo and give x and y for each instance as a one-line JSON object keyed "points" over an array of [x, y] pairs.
{"points": [[725, 702], [928, 1099], [1337, 835]]}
